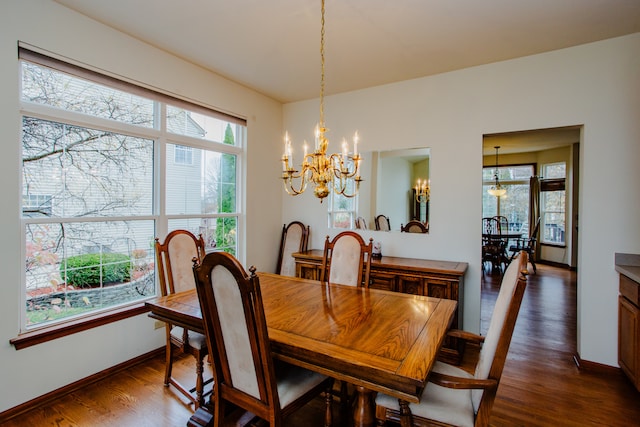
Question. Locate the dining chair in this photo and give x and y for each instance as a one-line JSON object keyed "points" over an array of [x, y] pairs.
{"points": [[245, 373], [414, 226], [174, 262], [383, 223], [361, 224], [454, 397], [347, 260], [493, 248], [528, 245], [295, 238]]}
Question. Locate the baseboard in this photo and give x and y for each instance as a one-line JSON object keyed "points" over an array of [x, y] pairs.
{"points": [[586, 365], [555, 264], [69, 388]]}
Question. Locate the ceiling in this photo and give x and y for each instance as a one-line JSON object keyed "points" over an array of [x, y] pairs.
{"points": [[530, 140], [273, 46]]}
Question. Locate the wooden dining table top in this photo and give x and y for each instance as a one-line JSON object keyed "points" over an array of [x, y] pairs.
{"points": [[382, 341]]}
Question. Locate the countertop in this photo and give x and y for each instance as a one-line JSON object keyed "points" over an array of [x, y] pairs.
{"points": [[629, 265]]}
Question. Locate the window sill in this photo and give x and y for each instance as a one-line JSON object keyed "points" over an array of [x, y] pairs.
{"points": [[29, 339], [554, 245]]}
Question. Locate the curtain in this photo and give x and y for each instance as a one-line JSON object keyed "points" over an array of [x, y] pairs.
{"points": [[534, 207]]}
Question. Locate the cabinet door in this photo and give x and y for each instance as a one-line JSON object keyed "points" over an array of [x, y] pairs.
{"points": [[308, 271], [628, 339], [411, 285], [439, 288]]}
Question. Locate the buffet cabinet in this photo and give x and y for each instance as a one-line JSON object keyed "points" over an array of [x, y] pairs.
{"points": [[440, 279], [629, 329]]}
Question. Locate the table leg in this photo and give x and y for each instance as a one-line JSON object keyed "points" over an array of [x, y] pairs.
{"points": [[364, 412]]}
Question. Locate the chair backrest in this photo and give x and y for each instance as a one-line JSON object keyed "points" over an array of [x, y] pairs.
{"points": [[295, 238], [414, 226], [534, 232], [490, 225], [361, 224], [174, 259], [503, 320], [236, 331], [503, 224], [382, 223], [347, 260]]}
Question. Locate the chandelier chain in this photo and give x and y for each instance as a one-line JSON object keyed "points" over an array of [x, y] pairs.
{"points": [[322, 67]]}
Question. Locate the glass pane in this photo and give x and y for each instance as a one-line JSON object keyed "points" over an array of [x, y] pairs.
{"points": [[555, 170], [72, 171], [205, 186], [46, 86], [201, 126], [514, 205], [218, 233], [75, 268], [553, 221], [508, 173]]}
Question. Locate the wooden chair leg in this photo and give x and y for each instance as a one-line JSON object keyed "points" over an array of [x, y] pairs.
{"points": [[406, 419], [328, 414], [199, 382], [168, 364]]}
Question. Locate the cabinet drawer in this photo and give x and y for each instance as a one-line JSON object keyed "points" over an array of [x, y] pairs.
{"points": [[630, 289], [386, 282]]}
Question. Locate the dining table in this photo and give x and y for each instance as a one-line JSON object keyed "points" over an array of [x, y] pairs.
{"points": [[376, 340], [504, 239]]}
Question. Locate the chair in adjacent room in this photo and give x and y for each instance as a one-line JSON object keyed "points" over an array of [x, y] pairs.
{"points": [[245, 372], [295, 237], [528, 245], [493, 246], [347, 260], [454, 397], [174, 260], [414, 226], [383, 223]]}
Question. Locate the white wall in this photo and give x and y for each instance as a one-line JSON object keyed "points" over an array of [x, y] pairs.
{"points": [[594, 85], [36, 370]]}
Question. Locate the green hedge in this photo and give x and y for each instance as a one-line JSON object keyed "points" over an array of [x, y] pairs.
{"points": [[84, 270]]}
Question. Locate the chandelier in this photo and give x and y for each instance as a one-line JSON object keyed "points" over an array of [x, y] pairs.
{"points": [[326, 172], [497, 189], [422, 191]]}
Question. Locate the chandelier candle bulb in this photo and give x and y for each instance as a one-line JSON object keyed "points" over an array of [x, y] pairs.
{"points": [[355, 145]]}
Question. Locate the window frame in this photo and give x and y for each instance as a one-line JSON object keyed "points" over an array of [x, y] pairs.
{"points": [[161, 139], [488, 182], [552, 185]]}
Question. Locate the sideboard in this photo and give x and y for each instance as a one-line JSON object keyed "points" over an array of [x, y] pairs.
{"points": [[440, 279]]}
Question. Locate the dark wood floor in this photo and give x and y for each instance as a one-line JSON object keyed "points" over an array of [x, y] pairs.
{"points": [[541, 385]]}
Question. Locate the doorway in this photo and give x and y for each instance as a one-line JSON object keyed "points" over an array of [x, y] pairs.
{"points": [[551, 155]]}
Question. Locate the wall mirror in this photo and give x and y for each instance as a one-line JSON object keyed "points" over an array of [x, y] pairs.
{"points": [[389, 188]]}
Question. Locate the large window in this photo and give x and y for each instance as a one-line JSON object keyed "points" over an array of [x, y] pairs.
{"points": [[106, 167], [552, 205], [515, 203]]}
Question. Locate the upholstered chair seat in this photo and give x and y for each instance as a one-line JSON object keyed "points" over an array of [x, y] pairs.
{"points": [[447, 405]]}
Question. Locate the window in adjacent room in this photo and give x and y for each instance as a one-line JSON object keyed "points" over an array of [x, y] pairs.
{"points": [[552, 204], [515, 204], [106, 167]]}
